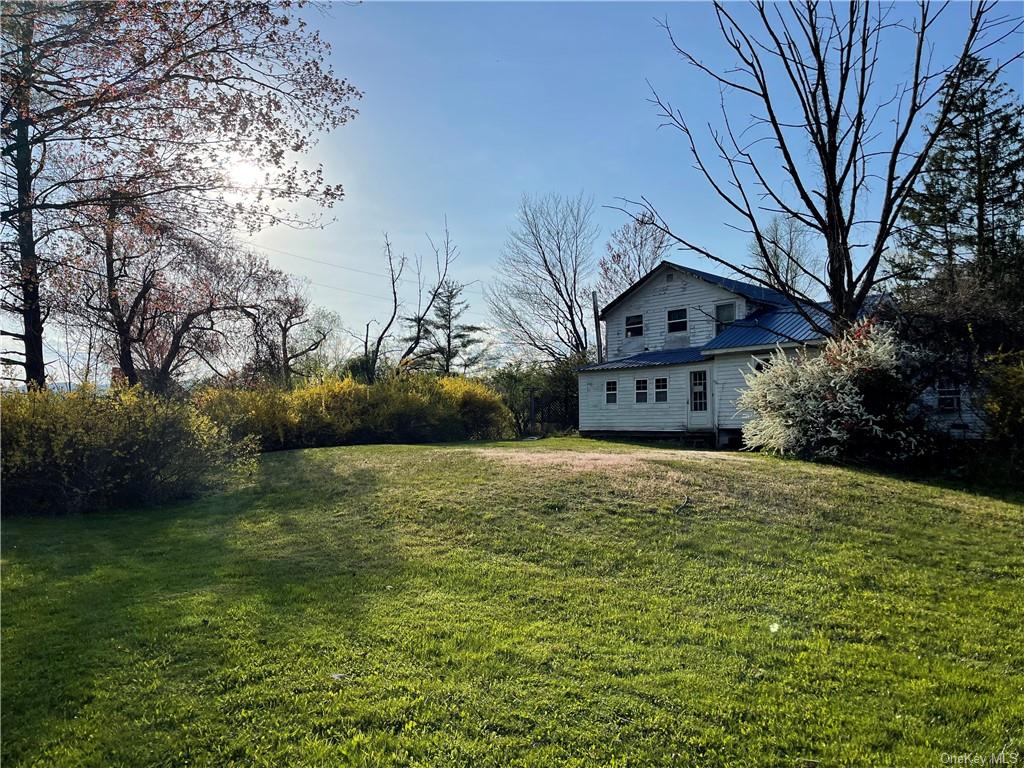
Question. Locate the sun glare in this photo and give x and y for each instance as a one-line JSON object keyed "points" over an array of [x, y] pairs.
{"points": [[245, 174]]}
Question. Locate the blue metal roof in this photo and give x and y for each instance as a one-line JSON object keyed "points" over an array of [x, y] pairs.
{"points": [[768, 327], [755, 293], [650, 359], [747, 290]]}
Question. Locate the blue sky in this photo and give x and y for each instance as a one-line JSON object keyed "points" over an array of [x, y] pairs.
{"points": [[469, 105]]}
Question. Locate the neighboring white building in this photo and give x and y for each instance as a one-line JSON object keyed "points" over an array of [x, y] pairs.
{"points": [[679, 342]]}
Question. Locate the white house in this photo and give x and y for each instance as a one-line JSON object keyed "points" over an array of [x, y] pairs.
{"points": [[678, 343]]}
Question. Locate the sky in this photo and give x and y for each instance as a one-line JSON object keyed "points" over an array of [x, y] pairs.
{"points": [[467, 106]]}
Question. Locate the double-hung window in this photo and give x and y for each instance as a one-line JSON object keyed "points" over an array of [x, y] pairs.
{"points": [[677, 321], [661, 390], [948, 392], [634, 325], [641, 390], [611, 392], [724, 314]]}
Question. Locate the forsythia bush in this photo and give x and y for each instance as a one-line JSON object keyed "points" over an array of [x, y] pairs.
{"points": [[1004, 404], [85, 451], [402, 409], [481, 412], [853, 401]]}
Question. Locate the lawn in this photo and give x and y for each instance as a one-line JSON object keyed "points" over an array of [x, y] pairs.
{"points": [[562, 602]]}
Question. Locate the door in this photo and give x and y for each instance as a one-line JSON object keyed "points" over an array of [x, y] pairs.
{"points": [[699, 402]]}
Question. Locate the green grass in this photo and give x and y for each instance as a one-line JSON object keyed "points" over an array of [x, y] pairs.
{"points": [[539, 606]]}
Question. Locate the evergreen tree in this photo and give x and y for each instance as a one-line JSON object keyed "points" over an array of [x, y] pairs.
{"points": [[963, 260], [452, 346]]}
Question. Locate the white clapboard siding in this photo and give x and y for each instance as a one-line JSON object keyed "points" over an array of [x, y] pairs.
{"points": [[627, 414], [654, 299], [967, 422], [725, 373]]}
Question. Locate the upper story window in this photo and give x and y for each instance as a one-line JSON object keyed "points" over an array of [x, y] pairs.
{"points": [[634, 325], [641, 390], [677, 321], [611, 392], [724, 314], [949, 395]]}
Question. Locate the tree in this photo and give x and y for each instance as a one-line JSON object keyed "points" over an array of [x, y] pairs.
{"points": [[367, 365], [149, 99], [541, 298], [785, 257], [162, 300], [180, 327], [821, 62], [634, 249], [451, 345], [285, 331], [964, 219]]}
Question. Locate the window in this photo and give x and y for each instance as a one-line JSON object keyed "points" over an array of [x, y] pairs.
{"points": [[949, 395], [661, 390], [698, 390], [760, 363], [634, 325], [641, 390], [669, 277], [677, 321], [724, 314], [611, 392]]}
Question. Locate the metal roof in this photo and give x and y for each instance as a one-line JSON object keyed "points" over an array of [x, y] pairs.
{"points": [[650, 359], [747, 290], [768, 327], [755, 293]]}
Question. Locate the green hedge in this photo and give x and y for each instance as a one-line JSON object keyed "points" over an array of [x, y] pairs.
{"points": [[402, 409], [87, 451]]}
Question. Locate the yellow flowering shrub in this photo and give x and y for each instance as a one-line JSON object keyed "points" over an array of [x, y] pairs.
{"points": [[86, 450], [413, 408], [482, 413]]}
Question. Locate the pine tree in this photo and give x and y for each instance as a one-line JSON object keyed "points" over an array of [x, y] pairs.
{"points": [[452, 346], [963, 222]]}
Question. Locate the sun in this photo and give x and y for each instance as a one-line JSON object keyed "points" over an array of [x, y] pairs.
{"points": [[245, 175]]}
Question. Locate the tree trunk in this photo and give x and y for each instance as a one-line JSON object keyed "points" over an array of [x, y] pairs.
{"points": [[121, 325], [31, 309], [286, 367]]}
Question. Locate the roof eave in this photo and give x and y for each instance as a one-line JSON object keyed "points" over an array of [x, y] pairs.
{"points": [[785, 344]]}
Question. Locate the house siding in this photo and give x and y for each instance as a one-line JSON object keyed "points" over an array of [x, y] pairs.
{"points": [[726, 363], [627, 414], [728, 383], [654, 300]]}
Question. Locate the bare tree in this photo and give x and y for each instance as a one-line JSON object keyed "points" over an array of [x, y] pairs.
{"points": [[427, 295], [821, 60], [285, 330], [786, 256], [635, 248], [541, 297], [375, 349]]}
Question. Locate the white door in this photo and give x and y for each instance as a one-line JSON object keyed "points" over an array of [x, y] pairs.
{"points": [[699, 400]]}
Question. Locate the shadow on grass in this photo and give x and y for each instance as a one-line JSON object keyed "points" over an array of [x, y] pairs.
{"points": [[173, 596]]}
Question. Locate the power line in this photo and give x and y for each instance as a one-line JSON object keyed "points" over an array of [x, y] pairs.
{"points": [[466, 286]]}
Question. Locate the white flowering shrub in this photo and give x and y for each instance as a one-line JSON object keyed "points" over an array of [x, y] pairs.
{"points": [[853, 401]]}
